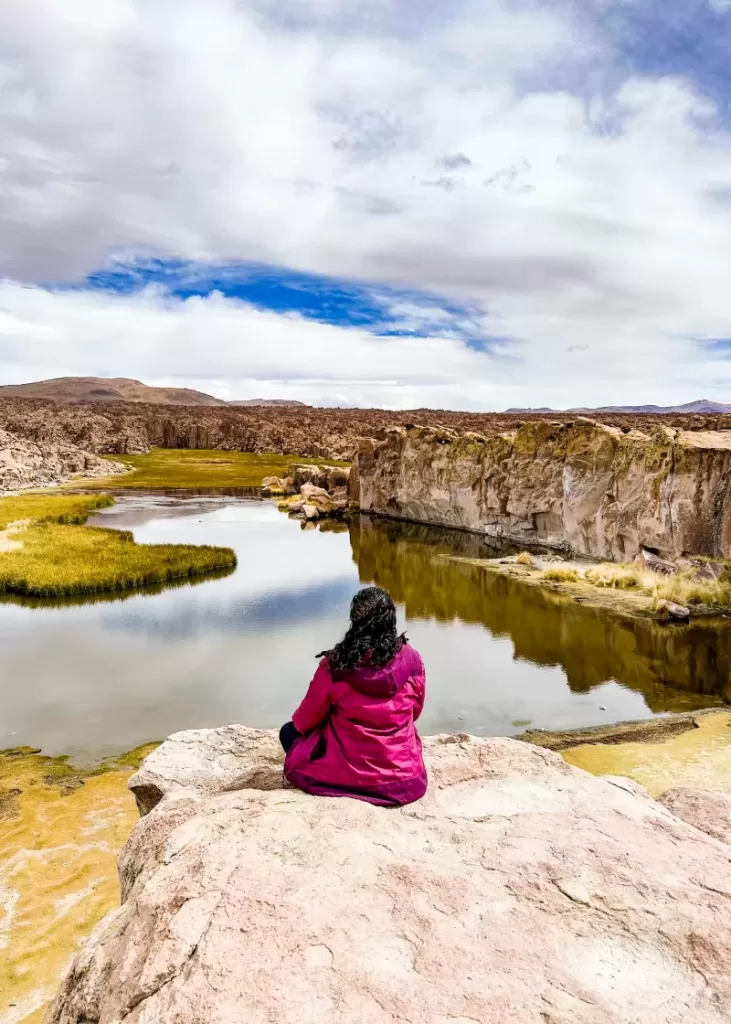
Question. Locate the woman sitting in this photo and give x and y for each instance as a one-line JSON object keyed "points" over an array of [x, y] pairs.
{"points": [[354, 733]]}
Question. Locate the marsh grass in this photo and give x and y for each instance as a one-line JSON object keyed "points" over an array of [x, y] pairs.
{"points": [[558, 574], [51, 508], [108, 597], [57, 557], [182, 468], [683, 588]]}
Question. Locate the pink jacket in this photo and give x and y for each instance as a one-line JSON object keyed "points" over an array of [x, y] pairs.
{"points": [[359, 734]]}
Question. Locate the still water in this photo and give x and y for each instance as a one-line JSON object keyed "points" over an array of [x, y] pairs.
{"points": [[98, 678]]}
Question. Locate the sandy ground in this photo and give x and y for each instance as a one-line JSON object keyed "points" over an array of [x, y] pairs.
{"points": [[7, 543]]}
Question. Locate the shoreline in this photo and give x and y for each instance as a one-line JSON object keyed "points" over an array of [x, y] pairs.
{"points": [[619, 602], [651, 730], [644, 730]]}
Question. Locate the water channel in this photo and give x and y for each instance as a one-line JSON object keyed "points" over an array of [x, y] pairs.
{"points": [[101, 677]]}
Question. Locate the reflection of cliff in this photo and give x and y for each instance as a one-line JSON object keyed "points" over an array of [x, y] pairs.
{"points": [[591, 646]]}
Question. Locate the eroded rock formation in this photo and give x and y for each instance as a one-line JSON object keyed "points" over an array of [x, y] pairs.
{"points": [[582, 486], [24, 464], [520, 889], [119, 427]]}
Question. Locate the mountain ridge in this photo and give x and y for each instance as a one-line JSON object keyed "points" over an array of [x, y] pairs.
{"points": [[703, 406], [123, 389]]}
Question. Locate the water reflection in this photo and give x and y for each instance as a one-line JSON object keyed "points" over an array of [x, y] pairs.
{"points": [[93, 679], [669, 664]]}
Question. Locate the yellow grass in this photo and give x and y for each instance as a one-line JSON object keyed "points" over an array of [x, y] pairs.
{"points": [[46, 508], [61, 829], [558, 574], [524, 558], [682, 588], [174, 468], [56, 559]]}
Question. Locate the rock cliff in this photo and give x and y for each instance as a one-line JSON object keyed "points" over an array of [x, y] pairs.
{"points": [[24, 464], [580, 486], [520, 889]]}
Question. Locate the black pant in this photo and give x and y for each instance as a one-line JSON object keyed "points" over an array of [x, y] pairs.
{"points": [[287, 735]]}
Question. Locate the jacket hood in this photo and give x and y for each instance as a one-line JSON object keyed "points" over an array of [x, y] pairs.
{"points": [[387, 680]]}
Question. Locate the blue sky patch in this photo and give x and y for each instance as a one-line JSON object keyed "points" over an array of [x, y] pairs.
{"points": [[718, 346], [381, 310]]}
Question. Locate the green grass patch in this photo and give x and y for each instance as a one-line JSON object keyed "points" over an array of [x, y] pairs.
{"points": [[57, 559], [182, 468], [47, 508]]}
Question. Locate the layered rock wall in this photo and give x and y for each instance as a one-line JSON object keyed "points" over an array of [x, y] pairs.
{"points": [[582, 486]]}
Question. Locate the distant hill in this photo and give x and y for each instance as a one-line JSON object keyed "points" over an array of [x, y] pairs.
{"points": [[267, 402], [702, 406], [122, 389], [106, 389]]}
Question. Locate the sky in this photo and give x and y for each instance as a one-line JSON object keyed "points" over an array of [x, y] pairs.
{"points": [[464, 204]]}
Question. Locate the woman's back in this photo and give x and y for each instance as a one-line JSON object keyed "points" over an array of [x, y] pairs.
{"points": [[375, 710], [356, 724]]}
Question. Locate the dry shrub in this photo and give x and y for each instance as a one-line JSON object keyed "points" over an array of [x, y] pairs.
{"points": [[684, 588], [561, 575]]}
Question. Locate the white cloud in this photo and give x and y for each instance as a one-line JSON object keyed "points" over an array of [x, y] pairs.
{"points": [[322, 137], [233, 350]]}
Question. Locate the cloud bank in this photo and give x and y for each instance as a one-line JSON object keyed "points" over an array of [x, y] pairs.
{"points": [[563, 177]]}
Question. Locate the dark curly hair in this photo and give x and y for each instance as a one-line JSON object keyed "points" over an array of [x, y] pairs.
{"points": [[371, 638]]}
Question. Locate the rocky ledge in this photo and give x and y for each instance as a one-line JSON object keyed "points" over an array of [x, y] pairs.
{"points": [[580, 486], [520, 890], [25, 464], [311, 492]]}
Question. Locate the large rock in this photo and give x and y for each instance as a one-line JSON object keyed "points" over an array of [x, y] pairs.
{"points": [[25, 464], [325, 477], [520, 890], [314, 502], [581, 486]]}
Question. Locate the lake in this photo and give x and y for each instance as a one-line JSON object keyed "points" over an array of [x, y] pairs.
{"points": [[97, 678]]}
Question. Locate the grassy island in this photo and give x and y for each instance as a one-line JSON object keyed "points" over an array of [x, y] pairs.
{"points": [[190, 469], [46, 551]]}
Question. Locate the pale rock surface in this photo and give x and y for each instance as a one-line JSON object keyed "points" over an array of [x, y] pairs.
{"points": [[326, 477], [581, 486], [313, 501], [519, 891], [708, 811], [25, 464]]}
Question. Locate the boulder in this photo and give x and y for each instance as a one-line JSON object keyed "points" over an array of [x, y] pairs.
{"points": [[311, 492], [647, 560], [672, 610], [326, 477], [315, 502], [273, 486], [519, 890]]}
